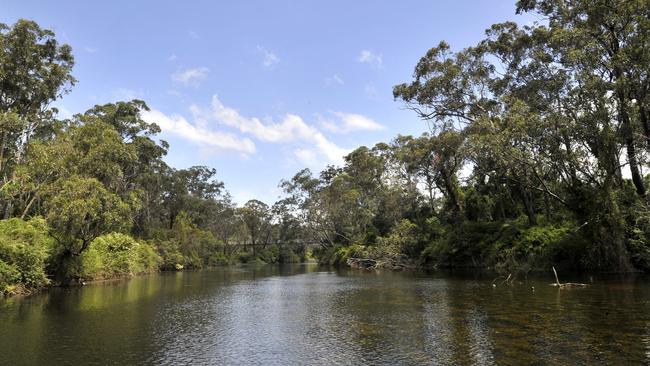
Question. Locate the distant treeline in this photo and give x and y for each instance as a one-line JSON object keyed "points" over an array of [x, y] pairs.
{"points": [[538, 140]]}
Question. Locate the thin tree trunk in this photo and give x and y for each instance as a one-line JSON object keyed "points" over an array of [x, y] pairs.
{"points": [[624, 118], [29, 205], [530, 209], [643, 116], [3, 146]]}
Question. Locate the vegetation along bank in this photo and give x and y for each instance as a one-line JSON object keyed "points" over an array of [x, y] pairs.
{"points": [[538, 139]]}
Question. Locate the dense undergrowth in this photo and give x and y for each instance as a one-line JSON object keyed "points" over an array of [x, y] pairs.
{"points": [[30, 259]]}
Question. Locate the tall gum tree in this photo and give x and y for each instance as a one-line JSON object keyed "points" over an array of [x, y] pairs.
{"points": [[34, 71]]}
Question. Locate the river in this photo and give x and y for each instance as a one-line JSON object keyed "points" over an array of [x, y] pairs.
{"points": [[304, 314]]}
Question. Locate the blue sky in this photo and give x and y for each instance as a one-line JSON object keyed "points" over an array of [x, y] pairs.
{"points": [[258, 89]]}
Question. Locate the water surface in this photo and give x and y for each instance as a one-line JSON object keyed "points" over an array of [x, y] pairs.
{"points": [[307, 315]]}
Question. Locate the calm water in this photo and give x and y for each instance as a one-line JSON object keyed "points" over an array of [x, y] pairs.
{"points": [[306, 315]]}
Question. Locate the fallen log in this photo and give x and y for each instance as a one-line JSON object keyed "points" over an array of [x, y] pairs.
{"points": [[362, 263], [394, 262]]}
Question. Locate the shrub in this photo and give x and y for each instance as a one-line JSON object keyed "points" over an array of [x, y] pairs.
{"points": [[402, 240], [531, 247], [118, 255], [505, 246], [244, 256], [269, 254], [24, 248], [172, 259], [337, 256], [218, 259]]}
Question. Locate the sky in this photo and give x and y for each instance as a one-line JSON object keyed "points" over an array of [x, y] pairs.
{"points": [[258, 89]]}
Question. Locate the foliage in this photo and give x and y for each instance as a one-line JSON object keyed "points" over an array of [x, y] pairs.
{"points": [[117, 255], [533, 132], [83, 209], [24, 250]]}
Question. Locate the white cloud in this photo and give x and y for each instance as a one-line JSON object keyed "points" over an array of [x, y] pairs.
{"points": [[349, 122], [191, 76], [193, 34], [292, 128], [172, 57], [370, 58], [200, 134], [90, 49], [306, 156], [334, 79], [269, 58]]}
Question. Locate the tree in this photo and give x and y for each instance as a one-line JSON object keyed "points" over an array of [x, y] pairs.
{"points": [[191, 190], [34, 71], [81, 210], [257, 217]]}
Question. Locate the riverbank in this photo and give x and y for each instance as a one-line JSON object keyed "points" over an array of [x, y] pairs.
{"points": [[31, 259]]}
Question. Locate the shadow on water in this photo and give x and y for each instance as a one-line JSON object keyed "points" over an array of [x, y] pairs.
{"points": [[305, 314]]}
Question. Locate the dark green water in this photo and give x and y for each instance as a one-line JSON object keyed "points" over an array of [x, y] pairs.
{"points": [[305, 315]]}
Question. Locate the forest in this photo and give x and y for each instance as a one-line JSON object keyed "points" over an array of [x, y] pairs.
{"points": [[535, 156]]}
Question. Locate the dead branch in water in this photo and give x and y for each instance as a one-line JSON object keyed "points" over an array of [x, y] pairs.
{"points": [[509, 280], [565, 285]]}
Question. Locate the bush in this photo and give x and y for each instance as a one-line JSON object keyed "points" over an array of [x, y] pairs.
{"points": [[218, 259], [118, 255], [244, 256], [505, 246], [172, 259], [287, 255], [531, 247], [402, 240], [24, 248], [338, 256], [269, 255]]}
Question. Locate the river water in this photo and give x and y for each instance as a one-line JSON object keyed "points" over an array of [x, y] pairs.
{"points": [[304, 314]]}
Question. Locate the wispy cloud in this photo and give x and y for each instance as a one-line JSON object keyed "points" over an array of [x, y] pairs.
{"points": [[350, 122], [334, 79], [291, 128], [192, 34], [306, 156], [370, 91], [192, 76], [172, 57], [90, 49], [371, 58], [269, 59], [200, 134]]}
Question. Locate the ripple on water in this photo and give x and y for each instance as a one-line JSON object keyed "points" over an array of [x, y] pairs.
{"points": [[275, 317]]}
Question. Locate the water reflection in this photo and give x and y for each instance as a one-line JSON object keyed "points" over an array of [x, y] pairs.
{"points": [[306, 315]]}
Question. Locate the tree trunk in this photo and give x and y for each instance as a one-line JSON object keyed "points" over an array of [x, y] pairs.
{"points": [[528, 204], [8, 209], [628, 133], [451, 186], [547, 206], [3, 146], [29, 205], [643, 116]]}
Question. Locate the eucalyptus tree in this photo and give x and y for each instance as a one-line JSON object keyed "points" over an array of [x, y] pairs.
{"points": [[80, 210], [451, 91], [257, 218], [35, 70], [604, 43], [190, 190]]}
